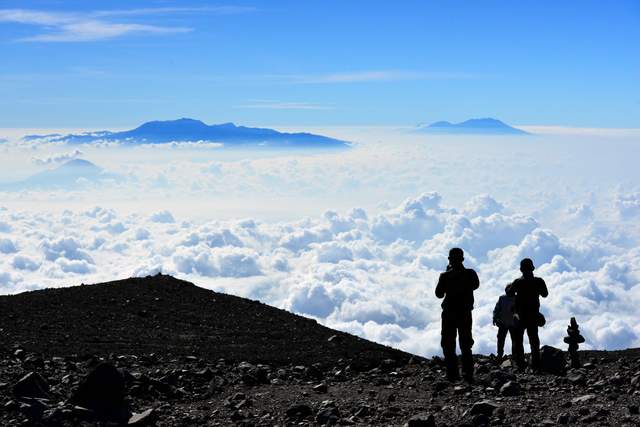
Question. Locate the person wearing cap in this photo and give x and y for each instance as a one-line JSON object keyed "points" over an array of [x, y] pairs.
{"points": [[528, 290], [503, 318], [456, 286]]}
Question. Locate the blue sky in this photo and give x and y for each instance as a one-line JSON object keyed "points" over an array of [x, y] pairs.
{"points": [[116, 63]]}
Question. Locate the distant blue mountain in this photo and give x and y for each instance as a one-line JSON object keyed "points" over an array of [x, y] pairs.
{"points": [[183, 130], [486, 126], [69, 175]]}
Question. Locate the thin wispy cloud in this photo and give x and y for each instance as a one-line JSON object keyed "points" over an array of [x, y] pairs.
{"points": [[371, 76], [96, 25], [339, 77], [216, 10], [283, 105]]}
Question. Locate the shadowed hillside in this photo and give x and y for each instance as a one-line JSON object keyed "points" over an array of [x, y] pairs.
{"points": [[166, 315]]}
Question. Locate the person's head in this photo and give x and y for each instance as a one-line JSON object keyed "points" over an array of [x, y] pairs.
{"points": [[508, 290], [526, 266], [456, 256]]}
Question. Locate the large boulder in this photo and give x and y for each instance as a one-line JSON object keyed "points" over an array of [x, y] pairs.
{"points": [[485, 407], [103, 391], [31, 385], [298, 411], [552, 360], [143, 419], [510, 388], [421, 420]]}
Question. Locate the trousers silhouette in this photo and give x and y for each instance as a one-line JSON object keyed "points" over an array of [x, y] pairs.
{"points": [[502, 336], [529, 324], [457, 323]]}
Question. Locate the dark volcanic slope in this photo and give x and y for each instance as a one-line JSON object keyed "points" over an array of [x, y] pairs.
{"points": [[165, 315]]}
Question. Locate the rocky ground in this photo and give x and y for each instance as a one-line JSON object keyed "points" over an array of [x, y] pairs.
{"points": [[131, 352]]}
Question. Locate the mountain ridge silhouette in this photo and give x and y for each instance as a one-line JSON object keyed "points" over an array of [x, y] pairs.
{"points": [[192, 130], [483, 126]]}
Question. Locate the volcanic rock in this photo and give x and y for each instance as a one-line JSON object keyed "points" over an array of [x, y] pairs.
{"points": [[552, 360], [299, 411], [485, 407], [510, 388], [421, 420], [31, 385], [103, 391], [145, 418], [584, 399], [328, 415], [320, 388]]}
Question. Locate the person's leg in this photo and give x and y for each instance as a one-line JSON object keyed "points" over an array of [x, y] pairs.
{"points": [[512, 333], [502, 334], [534, 342], [448, 343], [517, 346], [465, 322]]}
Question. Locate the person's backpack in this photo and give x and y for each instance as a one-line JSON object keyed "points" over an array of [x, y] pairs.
{"points": [[541, 320]]}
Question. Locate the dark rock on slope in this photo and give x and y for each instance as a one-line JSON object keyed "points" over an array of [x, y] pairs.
{"points": [[163, 352]]}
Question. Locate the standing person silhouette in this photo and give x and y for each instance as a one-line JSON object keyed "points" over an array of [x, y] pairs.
{"points": [[456, 286], [503, 318], [528, 290]]}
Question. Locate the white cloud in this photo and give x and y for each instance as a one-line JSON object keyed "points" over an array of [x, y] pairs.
{"points": [[81, 27], [75, 266], [25, 263], [58, 158], [163, 217], [373, 275], [7, 246], [250, 224], [628, 205], [65, 247]]}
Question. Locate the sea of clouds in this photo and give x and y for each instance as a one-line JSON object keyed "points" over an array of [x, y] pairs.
{"points": [[355, 239]]}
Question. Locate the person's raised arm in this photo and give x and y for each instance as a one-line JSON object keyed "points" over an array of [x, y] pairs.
{"points": [[441, 287]]}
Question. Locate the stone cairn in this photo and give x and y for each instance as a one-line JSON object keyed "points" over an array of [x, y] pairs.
{"points": [[574, 339]]}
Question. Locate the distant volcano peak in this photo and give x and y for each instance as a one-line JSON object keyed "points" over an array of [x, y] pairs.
{"points": [[76, 163], [192, 130], [485, 126]]}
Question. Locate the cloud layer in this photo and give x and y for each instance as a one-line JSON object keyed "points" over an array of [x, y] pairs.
{"points": [[251, 224], [372, 274]]}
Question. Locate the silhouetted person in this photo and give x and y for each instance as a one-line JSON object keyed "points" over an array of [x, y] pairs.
{"points": [[503, 318], [528, 290], [456, 286]]}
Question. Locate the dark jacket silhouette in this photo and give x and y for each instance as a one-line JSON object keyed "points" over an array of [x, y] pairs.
{"points": [[456, 286], [528, 290], [503, 318]]}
